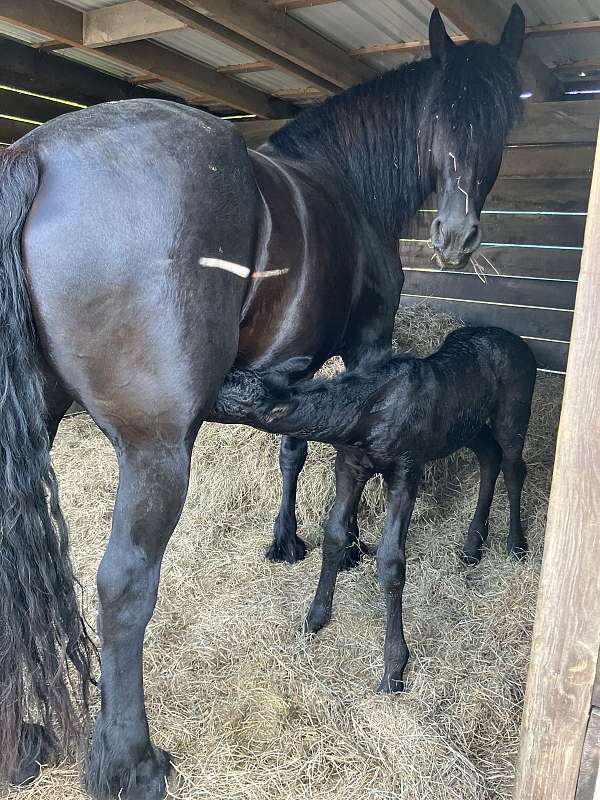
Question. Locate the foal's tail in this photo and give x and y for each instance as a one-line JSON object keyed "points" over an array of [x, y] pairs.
{"points": [[45, 652]]}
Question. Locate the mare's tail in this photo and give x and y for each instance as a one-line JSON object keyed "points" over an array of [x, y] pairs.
{"points": [[46, 655]]}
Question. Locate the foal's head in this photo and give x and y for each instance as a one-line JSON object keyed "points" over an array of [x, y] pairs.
{"points": [[472, 103]]}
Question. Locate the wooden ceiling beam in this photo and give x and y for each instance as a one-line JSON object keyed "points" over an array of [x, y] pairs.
{"points": [[283, 36], [291, 5], [126, 22], [479, 21], [243, 69], [197, 21], [47, 17]]}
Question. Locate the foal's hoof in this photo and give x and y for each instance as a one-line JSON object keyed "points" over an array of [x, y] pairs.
{"points": [[391, 685], [35, 750], [316, 619], [471, 557], [518, 551], [151, 777], [289, 550], [353, 555]]}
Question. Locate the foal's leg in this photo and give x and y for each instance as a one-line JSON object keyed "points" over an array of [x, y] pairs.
{"points": [[286, 544], [351, 475], [153, 479], [489, 455], [510, 429], [391, 563]]}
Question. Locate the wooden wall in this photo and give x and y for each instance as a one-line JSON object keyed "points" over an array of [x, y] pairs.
{"points": [[533, 227]]}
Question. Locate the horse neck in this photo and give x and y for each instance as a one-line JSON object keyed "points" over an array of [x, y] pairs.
{"points": [[372, 134]]}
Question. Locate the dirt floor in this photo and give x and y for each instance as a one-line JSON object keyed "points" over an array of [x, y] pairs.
{"points": [[250, 707]]}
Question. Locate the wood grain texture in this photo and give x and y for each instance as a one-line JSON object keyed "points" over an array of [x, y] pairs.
{"points": [[562, 121], [547, 161], [511, 291], [562, 231], [539, 194], [566, 637], [590, 760], [514, 261], [538, 326]]}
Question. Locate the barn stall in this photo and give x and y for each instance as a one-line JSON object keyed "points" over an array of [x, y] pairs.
{"points": [[249, 706]]}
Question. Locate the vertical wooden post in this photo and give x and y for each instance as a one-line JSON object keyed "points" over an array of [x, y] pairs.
{"points": [[566, 639]]}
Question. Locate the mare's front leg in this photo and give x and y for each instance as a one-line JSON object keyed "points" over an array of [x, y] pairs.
{"points": [[153, 479], [286, 544], [391, 564], [352, 471]]}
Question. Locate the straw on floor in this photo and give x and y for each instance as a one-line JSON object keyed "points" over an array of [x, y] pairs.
{"points": [[254, 710]]}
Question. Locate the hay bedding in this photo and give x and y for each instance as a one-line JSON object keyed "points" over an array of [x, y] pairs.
{"points": [[254, 710]]}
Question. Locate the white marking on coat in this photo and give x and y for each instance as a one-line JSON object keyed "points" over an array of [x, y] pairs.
{"points": [[228, 266], [270, 273]]}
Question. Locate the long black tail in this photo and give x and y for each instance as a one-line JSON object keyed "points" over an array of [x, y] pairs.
{"points": [[46, 656]]}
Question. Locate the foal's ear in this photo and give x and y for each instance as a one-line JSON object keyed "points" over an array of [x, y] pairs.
{"points": [[439, 41], [511, 41]]}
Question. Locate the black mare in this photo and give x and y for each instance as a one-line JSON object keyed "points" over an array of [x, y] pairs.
{"points": [[392, 418], [143, 252]]}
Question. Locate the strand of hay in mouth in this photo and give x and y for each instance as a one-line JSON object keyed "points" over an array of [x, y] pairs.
{"points": [[254, 710]]}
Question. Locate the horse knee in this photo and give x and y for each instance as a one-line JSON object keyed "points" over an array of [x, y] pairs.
{"points": [[292, 454], [391, 570]]}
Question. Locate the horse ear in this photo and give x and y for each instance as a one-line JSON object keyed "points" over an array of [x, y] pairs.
{"points": [[513, 35], [439, 41]]}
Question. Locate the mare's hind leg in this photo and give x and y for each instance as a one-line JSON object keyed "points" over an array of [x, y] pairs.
{"points": [[286, 544], [489, 455], [153, 480]]}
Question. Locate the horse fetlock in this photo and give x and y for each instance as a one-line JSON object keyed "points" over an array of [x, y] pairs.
{"points": [[318, 616], [289, 548], [118, 769]]}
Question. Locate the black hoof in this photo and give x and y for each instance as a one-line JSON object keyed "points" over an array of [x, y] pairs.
{"points": [[289, 550], [35, 751], [391, 685], [353, 555], [316, 619], [112, 775], [471, 557], [518, 551]]}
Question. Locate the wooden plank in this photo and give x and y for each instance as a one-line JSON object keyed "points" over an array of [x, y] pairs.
{"points": [[281, 34], [566, 638], [589, 772], [538, 194], [191, 75], [539, 323], [512, 291], [46, 16], [422, 45], [125, 22], [547, 161], [543, 229], [42, 16], [550, 354], [511, 261], [290, 5], [563, 121]]}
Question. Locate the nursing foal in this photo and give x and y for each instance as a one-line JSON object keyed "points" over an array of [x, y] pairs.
{"points": [[474, 392]]}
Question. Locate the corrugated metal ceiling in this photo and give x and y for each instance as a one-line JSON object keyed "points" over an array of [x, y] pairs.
{"points": [[349, 24]]}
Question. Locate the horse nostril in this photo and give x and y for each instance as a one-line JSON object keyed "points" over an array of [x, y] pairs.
{"points": [[472, 239], [437, 234]]}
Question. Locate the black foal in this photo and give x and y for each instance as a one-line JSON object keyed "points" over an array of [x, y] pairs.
{"points": [[474, 392]]}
